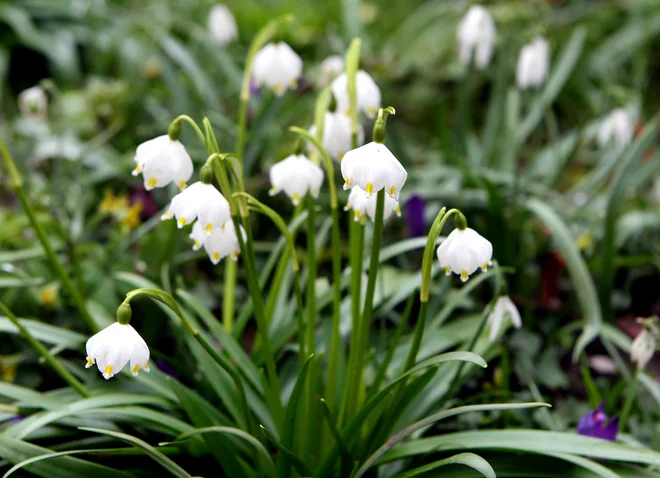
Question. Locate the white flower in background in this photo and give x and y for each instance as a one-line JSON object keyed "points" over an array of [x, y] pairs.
{"points": [[112, 348], [503, 310], [476, 36], [367, 93], [222, 25], [643, 348], [296, 176], [33, 103], [337, 135], [533, 64], [361, 205], [618, 127], [373, 167], [162, 161], [330, 68], [464, 251], [199, 201], [219, 244], [278, 67]]}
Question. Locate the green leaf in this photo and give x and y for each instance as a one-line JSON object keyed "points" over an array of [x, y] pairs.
{"points": [[399, 436], [560, 73], [587, 464], [530, 441], [49, 334], [467, 459], [16, 451], [266, 458], [290, 414], [582, 281], [157, 456]]}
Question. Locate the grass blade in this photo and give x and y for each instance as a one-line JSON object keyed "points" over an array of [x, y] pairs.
{"points": [[467, 459]]}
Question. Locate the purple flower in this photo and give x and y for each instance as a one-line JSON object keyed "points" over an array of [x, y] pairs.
{"points": [[165, 368], [255, 89], [596, 424], [415, 216]]}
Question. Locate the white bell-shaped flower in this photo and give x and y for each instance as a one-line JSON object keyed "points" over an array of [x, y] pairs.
{"points": [[361, 205], [373, 167], [330, 68], [533, 64], [278, 67], [618, 126], [219, 244], [464, 251], [222, 25], [296, 176], [113, 347], [199, 201], [643, 348], [503, 310], [476, 37], [366, 90], [33, 103], [337, 135], [161, 161]]}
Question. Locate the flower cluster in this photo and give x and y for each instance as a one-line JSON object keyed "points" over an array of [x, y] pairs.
{"points": [[337, 134], [113, 347], [362, 205], [296, 176], [277, 67], [162, 161], [463, 252], [367, 92]]}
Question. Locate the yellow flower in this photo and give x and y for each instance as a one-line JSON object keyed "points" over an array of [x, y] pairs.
{"points": [[112, 204], [584, 241], [48, 296], [131, 218]]}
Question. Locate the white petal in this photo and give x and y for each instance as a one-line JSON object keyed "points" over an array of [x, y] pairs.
{"points": [[222, 25]]}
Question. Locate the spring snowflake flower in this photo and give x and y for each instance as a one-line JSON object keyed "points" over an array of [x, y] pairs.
{"points": [[199, 201], [278, 67], [222, 25], [643, 348], [503, 310], [367, 92], [162, 161], [373, 167], [330, 68], [296, 176], [476, 36], [464, 251], [533, 64], [113, 347], [219, 244], [618, 127], [337, 135], [33, 103], [361, 205]]}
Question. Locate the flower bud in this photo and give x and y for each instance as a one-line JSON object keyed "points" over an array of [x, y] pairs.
{"points": [[206, 174], [124, 313], [174, 131]]}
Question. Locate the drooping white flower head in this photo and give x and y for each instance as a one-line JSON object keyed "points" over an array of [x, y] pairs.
{"points": [[330, 68], [503, 310], [643, 348], [337, 135], [464, 251], [373, 167], [161, 161], [199, 201], [222, 25], [296, 176], [222, 242], [618, 126], [533, 64], [361, 205], [278, 67], [366, 90], [113, 347], [33, 103], [476, 36]]}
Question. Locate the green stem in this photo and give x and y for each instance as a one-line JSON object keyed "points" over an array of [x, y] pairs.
{"points": [[231, 268], [166, 299], [311, 275], [357, 251], [352, 66], [195, 127], [367, 314], [17, 185], [335, 338], [47, 356], [627, 405]]}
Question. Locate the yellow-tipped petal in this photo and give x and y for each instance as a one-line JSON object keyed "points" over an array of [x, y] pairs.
{"points": [[371, 111], [273, 191], [370, 188], [108, 371], [182, 185], [136, 369], [90, 362], [146, 368], [293, 84], [295, 199], [152, 182], [398, 211], [464, 276], [166, 215], [278, 89], [347, 182], [137, 171], [447, 271], [484, 267], [341, 156], [209, 228], [356, 215], [215, 257], [234, 255], [182, 222], [197, 245], [392, 191]]}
